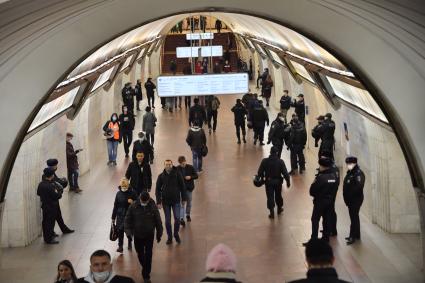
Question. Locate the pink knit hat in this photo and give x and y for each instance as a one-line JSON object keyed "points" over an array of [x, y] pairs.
{"points": [[221, 259]]}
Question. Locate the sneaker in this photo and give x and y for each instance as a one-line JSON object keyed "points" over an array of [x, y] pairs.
{"points": [[182, 223], [188, 219], [69, 231], [120, 249], [177, 237], [169, 241], [271, 215]]}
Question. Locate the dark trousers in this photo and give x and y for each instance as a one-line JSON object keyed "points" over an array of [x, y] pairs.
{"points": [[143, 248], [73, 179], [127, 138], [175, 208], [179, 99], [297, 157], [279, 148], [60, 221], [327, 146], [332, 219], [259, 133], [163, 102], [187, 101], [48, 224], [274, 195], [151, 100], [121, 238], [321, 209], [354, 210], [212, 115], [239, 128], [138, 104], [150, 138]]}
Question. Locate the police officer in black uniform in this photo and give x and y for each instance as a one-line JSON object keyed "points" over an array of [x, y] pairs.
{"points": [[278, 133], [296, 143], [273, 170], [128, 97], [317, 131], [240, 113], [353, 196], [322, 190], [299, 106], [327, 135], [260, 118], [61, 184]]}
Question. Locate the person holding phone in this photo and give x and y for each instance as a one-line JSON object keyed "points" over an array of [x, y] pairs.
{"points": [[72, 164]]}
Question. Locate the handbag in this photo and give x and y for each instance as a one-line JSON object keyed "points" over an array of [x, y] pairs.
{"points": [[113, 235], [204, 150]]}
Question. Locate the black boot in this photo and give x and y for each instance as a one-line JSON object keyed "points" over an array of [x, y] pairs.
{"points": [[271, 215]]}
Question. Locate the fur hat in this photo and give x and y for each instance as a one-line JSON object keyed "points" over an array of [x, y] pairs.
{"points": [[221, 259]]}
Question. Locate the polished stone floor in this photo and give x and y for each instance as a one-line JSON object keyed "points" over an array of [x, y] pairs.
{"points": [[226, 208]]}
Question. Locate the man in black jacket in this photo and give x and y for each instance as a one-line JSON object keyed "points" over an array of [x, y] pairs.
{"points": [[197, 114], [142, 145], [285, 104], [139, 174], [49, 195], [320, 259], [101, 270], [296, 143], [189, 175], [327, 137], [141, 221], [317, 131], [170, 193], [150, 94], [138, 93], [259, 120], [279, 133], [128, 97], [72, 164], [322, 190], [240, 113], [273, 170], [353, 196], [299, 107], [196, 139], [126, 128]]}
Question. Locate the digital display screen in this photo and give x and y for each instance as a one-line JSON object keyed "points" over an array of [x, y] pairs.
{"points": [[197, 36], [103, 78], [196, 51], [169, 86]]}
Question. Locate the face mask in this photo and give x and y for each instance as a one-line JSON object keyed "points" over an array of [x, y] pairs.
{"points": [[101, 276], [124, 189], [114, 119], [351, 166], [143, 204], [168, 170], [282, 119]]}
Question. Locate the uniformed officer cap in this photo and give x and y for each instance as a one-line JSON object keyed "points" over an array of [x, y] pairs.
{"points": [[300, 95], [328, 115], [325, 161], [52, 162], [351, 159], [48, 172], [320, 118]]}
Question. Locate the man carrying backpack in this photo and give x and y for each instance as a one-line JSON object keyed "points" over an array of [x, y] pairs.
{"points": [[212, 104]]}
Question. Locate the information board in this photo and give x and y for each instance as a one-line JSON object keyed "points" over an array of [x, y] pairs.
{"points": [[197, 36], [196, 51], [213, 84]]}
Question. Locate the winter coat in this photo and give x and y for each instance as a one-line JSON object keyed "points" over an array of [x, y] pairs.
{"points": [[121, 205], [260, 117], [320, 275], [149, 123], [353, 186], [273, 170], [299, 108], [297, 135], [49, 194], [128, 94], [140, 176], [323, 187], [212, 103], [267, 88], [240, 113], [142, 221], [145, 147], [196, 138], [138, 91], [108, 126], [71, 157], [115, 279], [188, 170], [197, 114], [170, 188], [150, 88], [278, 133], [127, 122], [285, 102]]}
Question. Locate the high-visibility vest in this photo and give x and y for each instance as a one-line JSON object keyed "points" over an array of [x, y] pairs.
{"points": [[115, 128]]}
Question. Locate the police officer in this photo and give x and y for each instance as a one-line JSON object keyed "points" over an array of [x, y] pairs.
{"points": [[353, 196], [128, 97], [299, 107], [317, 131], [60, 184], [259, 119], [296, 143], [322, 190], [327, 135], [273, 170], [278, 133], [285, 103], [240, 113]]}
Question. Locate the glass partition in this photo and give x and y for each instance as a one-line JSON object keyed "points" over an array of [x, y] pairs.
{"points": [[53, 108], [357, 97], [302, 71]]}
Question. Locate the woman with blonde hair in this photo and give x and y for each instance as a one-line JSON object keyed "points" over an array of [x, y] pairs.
{"points": [[123, 199]]}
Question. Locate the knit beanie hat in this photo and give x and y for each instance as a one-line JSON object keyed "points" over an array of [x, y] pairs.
{"points": [[221, 259]]}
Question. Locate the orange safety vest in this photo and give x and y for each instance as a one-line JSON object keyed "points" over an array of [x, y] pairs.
{"points": [[115, 128]]}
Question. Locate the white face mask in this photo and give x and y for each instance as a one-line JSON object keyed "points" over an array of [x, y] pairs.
{"points": [[124, 189], [143, 204], [101, 276], [282, 119], [114, 119], [351, 166]]}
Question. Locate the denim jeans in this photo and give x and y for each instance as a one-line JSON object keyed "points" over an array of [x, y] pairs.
{"points": [[112, 150], [73, 178], [197, 159], [176, 213], [188, 205]]}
